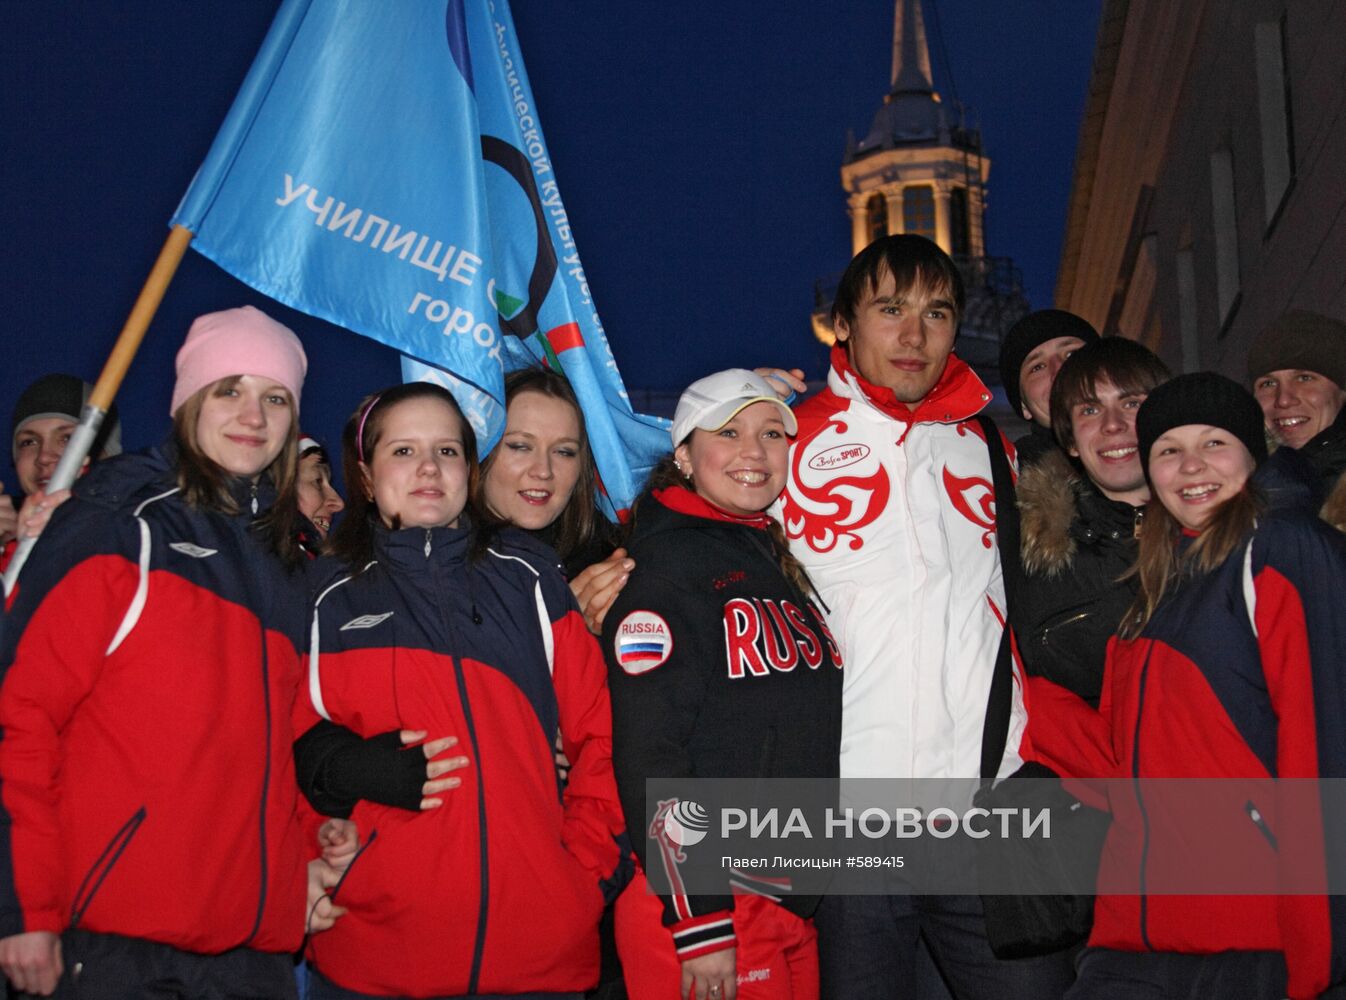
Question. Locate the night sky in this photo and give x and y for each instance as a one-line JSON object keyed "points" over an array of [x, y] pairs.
{"points": [[697, 148]]}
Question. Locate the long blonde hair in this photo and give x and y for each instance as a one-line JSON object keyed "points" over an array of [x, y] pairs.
{"points": [[1159, 564]]}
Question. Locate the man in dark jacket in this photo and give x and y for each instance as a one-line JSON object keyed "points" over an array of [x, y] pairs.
{"points": [[1297, 367], [44, 419], [1079, 517], [1032, 354]]}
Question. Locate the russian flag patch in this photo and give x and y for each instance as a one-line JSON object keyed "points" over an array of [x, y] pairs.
{"points": [[643, 642]]}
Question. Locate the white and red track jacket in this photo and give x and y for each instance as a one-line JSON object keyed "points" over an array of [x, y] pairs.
{"points": [[892, 512]]}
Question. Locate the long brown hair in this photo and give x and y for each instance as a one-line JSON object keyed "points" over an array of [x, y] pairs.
{"points": [[578, 524], [666, 475], [206, 486], [1159, 564], [353, 540]]}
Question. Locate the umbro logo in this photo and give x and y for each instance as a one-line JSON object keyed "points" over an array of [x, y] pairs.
{"points": [[366, 621], [195, 551]]}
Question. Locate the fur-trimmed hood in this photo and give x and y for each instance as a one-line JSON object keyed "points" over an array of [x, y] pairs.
{"points": [[1060, 511], [1048, 494]]}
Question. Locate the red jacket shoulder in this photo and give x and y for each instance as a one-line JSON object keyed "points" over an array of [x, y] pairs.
{"points": [[817, 410]]}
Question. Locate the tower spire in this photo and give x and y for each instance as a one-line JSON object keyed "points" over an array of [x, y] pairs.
{"points": [[911, 54]]}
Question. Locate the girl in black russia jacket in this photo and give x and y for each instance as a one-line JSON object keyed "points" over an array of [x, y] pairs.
{"points": [[719, 667]]}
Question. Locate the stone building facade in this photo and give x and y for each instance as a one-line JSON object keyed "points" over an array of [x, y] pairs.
{"points": [[1209, 191]]}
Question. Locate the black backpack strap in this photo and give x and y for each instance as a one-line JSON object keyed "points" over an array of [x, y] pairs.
{"points": [[995, 727]]}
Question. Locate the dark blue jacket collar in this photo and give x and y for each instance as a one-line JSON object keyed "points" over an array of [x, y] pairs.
{"points": [[1288, 480], [113, 482], [418, 549]]}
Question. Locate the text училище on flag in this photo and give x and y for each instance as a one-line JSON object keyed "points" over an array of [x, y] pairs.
{"points": [[383, 167]]}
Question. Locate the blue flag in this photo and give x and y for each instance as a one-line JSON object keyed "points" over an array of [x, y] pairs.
{"points": [[383, 168]]}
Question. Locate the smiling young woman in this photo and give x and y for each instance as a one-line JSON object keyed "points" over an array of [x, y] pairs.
{"points": [[541, 476], [1227, 667], [445, 663], [714, 588], [155, 637]]}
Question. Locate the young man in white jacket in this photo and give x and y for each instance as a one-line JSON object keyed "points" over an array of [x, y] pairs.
{"points": [[890, 507]]}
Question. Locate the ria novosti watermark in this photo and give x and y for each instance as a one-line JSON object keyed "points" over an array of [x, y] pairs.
{"points": [[899, 822], [1253, 836]]}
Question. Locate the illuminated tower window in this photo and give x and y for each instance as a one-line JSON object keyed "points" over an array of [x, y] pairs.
{"points": [[876, 211], [920, 169], [921, 153], [958, 229], [918, 210]]}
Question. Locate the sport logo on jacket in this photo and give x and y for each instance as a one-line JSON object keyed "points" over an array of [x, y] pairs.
{"points": [[762, 635], [837, 486], [365, 621], [643, 642], [195, 551]]}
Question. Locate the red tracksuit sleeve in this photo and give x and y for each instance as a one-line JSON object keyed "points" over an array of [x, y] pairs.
{"points": [[1298, 578], [593, 828], [56, 639], [1066, 734]]}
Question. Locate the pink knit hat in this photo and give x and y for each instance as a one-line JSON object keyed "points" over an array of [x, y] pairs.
{"points": [[243, 341]]}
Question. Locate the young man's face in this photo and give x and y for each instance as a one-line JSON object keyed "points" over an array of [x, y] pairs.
{"points": [[901, 338], [1104, 426], [1038, 372], [1298, 405]]}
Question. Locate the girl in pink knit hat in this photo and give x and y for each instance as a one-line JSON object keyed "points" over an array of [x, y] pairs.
{"points": [[149, 662]]}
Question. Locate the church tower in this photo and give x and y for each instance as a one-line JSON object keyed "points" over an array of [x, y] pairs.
{"points": [[920, 169]]}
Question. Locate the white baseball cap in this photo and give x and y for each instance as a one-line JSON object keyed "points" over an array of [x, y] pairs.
{"points": [[711, 402]]}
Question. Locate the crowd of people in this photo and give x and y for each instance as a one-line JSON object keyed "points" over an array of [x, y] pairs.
{"points": [[405, 736]]}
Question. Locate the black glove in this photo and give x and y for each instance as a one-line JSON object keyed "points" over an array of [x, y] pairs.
{"points": [[336, 769]]}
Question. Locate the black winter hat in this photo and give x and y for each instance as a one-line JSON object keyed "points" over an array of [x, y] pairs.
{"points": [[59, 395], [1200, 398], [1026, 335], [1304, 341]]}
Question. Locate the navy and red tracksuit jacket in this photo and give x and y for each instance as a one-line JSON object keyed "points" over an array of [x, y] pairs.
{"points": [[150, 668], [501, 888], [1240, 673], [720, 667]]}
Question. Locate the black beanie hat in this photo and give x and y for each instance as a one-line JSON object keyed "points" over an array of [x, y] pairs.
{"points": [[1200, 398], [1304, 341], [1026, 335], [64, 396]]}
